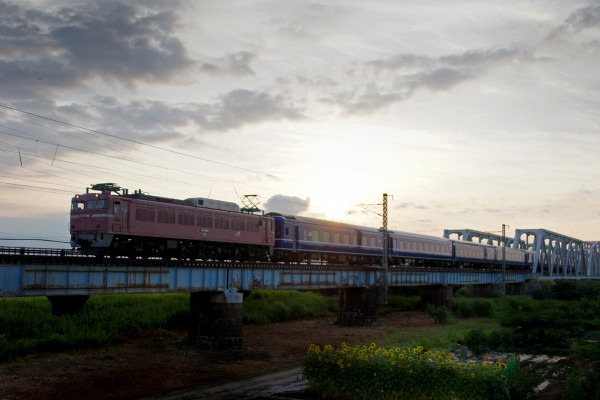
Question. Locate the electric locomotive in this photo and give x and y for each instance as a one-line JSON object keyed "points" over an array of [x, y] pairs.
{"points": [[113, 222]]}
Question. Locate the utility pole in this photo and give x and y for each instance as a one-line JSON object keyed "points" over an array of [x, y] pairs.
{"points": [[504, 258], [386, 251], [382, 283]]}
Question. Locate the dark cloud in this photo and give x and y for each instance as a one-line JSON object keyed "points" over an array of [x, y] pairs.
{"points": [[145, 121], [412, 72], [236, 64], [240, 107], [584, 18], [405, 205], [63, 48], [579, 20], [289, 205]]}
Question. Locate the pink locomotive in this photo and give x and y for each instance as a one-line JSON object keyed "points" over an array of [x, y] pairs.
{"points": [[113, 222]]}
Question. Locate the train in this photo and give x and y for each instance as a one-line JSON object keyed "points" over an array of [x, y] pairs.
{"points": [[109, 221]]}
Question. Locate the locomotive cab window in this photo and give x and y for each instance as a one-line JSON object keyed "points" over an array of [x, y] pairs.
{"points": [[77, 205], [97, 204]]}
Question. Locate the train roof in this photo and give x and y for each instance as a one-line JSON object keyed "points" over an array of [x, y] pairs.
{"points": [[192, 201], [338, 224]]}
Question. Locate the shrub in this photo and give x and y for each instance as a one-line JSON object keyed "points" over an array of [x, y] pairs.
{"points": [[27, 324], [440, 314], [582, 385], [266, 306], [361, 372]]}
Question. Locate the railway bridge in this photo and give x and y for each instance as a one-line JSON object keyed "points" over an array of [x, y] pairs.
{"points": [[217, 289]]}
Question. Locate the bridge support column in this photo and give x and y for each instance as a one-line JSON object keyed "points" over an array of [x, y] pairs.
{"points": [[438, 295], [216, 320], [67, 305], [358, 306], [515, 288], [486, 290]]}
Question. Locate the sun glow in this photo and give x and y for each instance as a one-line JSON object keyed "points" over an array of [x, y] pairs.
{"points": [[338, 179]]}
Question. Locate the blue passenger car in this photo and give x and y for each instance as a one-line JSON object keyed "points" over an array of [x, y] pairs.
{"points": [[304, 239], [419, 250]]}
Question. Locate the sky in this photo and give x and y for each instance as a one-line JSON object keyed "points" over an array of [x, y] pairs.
{"points": [[468, 114]]}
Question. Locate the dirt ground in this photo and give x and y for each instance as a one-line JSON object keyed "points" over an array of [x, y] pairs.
{"points": [[157, 363]]}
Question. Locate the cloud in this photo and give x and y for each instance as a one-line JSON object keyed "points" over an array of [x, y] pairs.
{"points": [[47, 49], [236, 64], [382, 82], [290, 205], [241, 106], [581, 19]]}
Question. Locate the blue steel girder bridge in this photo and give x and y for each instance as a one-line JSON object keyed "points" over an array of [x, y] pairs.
{"points": [[554, 255], [51, 272]]}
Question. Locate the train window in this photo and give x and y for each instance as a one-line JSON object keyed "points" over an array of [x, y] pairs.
{"points": [[252, 225], [144, 212], [204, 220], [326, 237], [166, 215], [315, 236], [237, 224], [185, 217], [346, 238], [354, 240], [221, 222], [97, 204], [287, 231], [77, 205], [336, 238], [117, 208]]}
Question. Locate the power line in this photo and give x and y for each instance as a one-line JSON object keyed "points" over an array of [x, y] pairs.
{"points": [[132, 141]]}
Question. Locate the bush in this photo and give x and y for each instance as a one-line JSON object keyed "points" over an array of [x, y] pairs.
{"points": [[440, 314], [27, 324], [396, 373], [582, 385], [267, 306], [479, 342]]}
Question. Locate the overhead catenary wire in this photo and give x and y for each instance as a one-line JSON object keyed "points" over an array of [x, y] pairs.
{"points": [[132, 140]]}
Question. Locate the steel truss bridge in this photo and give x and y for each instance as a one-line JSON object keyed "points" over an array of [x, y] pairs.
{"points": [[555, 256]]}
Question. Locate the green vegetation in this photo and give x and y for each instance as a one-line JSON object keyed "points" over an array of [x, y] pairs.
{"points": [[361, 372], [562, 319], [268, 306], [28, 326]]}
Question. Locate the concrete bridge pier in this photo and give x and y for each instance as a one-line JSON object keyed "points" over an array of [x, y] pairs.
{"points": [[486, 290], [67, 305], [216, 320], [357, 307], [438, 295]]}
